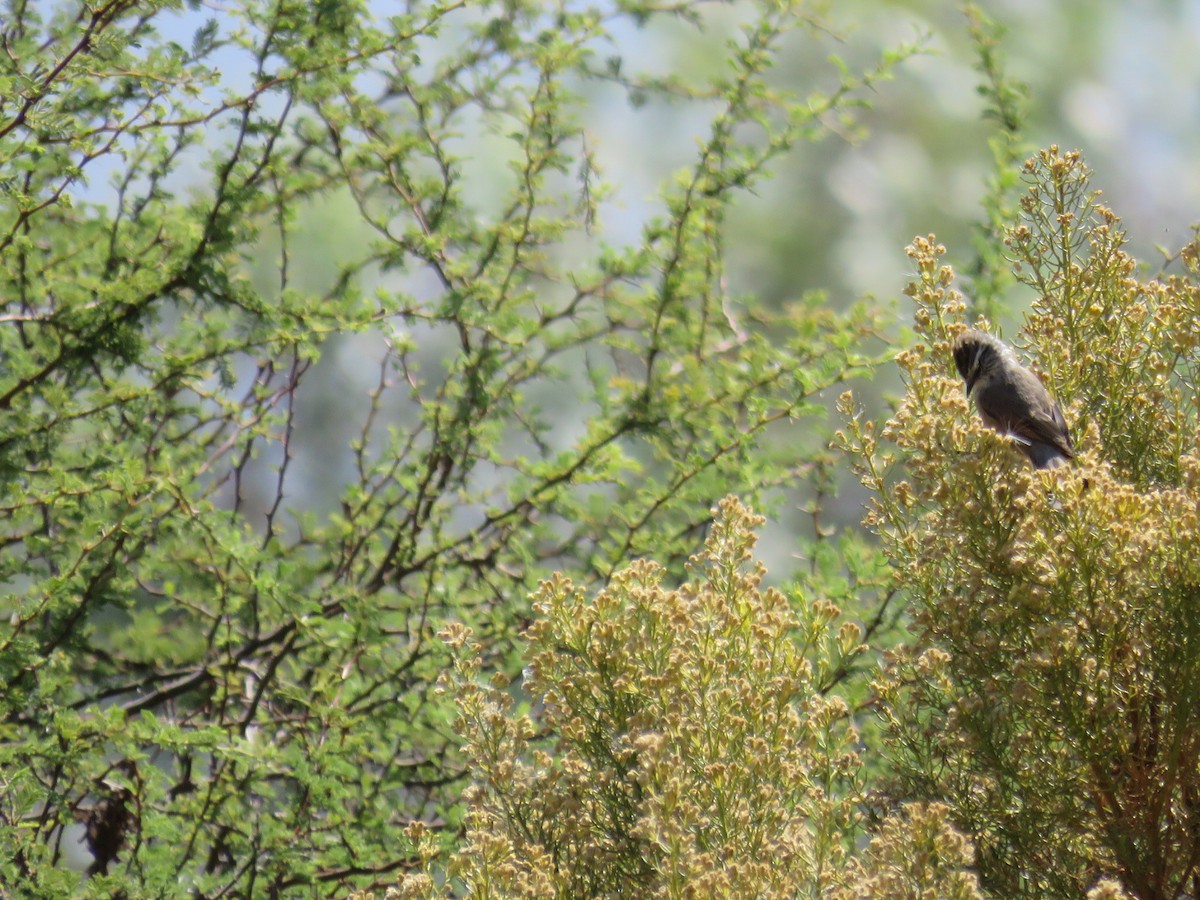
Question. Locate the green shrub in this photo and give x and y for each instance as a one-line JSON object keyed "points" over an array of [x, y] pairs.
{"points": [[313, 342]]}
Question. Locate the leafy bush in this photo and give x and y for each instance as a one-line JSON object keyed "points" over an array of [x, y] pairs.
{"points": [[225, 555]]}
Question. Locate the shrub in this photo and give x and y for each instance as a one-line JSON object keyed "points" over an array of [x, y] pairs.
{"points": [[1052, 695], [679, 743]]}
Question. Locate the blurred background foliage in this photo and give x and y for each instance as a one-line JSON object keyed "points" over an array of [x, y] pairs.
{"points": [[834, 219]]}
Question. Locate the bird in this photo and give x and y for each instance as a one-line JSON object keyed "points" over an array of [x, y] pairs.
{"points": [[1012, 400]]}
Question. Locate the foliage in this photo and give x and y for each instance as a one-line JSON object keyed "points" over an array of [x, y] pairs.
{"points": [[220, 683], [1005, 99], [226, 560], [682, 742], [916, 852], [1052, 694]]}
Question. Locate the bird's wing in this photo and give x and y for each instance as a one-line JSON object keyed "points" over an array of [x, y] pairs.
{"points": [[1026, 412], [1045, 425]]}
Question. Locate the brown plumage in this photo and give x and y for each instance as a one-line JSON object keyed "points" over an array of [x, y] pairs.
{"points": [[1011, 400]]}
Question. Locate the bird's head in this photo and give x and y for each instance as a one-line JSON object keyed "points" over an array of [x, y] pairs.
{"points": [[977, 355]]}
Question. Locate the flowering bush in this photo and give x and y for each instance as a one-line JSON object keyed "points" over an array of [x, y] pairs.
{"points": [[1051, 694], [679, 743]]}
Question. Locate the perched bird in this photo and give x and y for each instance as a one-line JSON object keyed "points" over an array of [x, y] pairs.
{"points": [[1011, 399]]}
